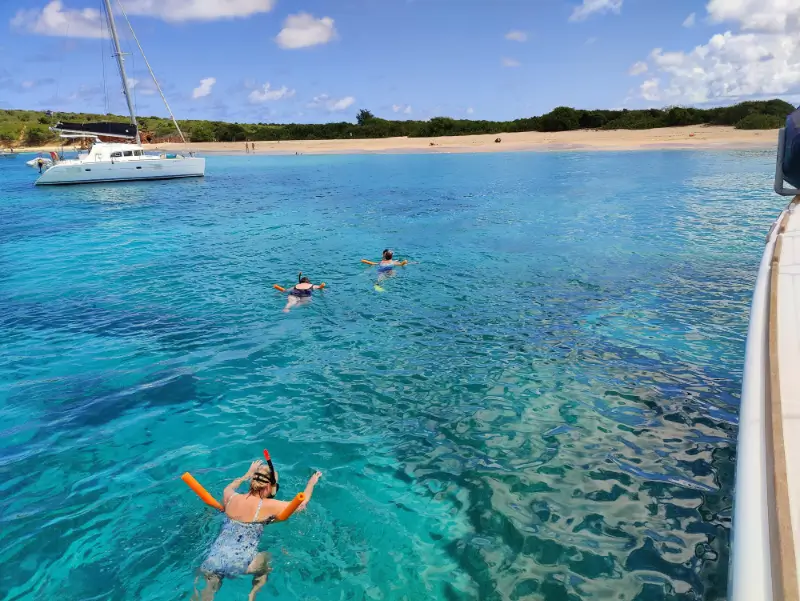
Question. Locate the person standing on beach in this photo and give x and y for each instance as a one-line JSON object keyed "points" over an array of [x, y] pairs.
{"points": [[252, 146], [246, 148]]}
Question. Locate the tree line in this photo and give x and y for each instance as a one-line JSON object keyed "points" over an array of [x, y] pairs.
{"points": [[31, 128]]}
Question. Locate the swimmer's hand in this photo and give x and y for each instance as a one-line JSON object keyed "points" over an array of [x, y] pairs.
{"points": [[253, 467]]}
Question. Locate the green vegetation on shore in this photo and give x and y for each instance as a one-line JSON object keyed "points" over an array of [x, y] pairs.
{"points": [[30, 128]]}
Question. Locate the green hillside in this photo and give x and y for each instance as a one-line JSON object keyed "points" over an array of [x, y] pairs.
{"points": [[30, 128]]}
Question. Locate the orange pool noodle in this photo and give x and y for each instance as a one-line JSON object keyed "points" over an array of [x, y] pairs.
{"points": [[281, 288], [202, 492], [291, 508], [322, 285], [368, 262]]}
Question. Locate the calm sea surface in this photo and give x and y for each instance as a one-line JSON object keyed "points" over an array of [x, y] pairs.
{"points": [[542, 406]]}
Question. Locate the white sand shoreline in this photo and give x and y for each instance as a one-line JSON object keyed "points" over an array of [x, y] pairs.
{"points": [[677, 138]]}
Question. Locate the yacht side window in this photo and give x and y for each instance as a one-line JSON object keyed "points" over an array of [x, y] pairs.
{"points": [[128, 153], [116, 155], [137, 153]]}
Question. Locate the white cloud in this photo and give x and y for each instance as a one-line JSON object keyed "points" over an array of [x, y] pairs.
{"points": [[146, 87], [54, 20], [266, 93], [470, 110], [515, 35], [331, 104], [303, 30], [204, 89], [690, 20], [402, 108], [762, 61], [649, 89], [510, 62], [28, 84], [776, 16], [342, 103], [590, 41], [730, 67], [638, 68], [197, 10], [590, 7]]}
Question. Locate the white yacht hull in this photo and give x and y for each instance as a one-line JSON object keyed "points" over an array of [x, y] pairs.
{"points": [[753, 553], [86, 172]]}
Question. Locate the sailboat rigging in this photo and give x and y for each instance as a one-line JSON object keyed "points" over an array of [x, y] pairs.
{"points": [[118, 161]]}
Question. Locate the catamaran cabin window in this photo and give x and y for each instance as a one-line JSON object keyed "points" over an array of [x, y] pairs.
{"points": [[116, 155], [137, 153], [128, 153]]}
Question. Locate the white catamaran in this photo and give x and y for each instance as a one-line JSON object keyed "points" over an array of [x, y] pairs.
{"points": [[766, 518], [117, 161]]}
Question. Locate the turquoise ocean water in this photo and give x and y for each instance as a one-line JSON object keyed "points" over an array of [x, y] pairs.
{"points": [[542, 406]]}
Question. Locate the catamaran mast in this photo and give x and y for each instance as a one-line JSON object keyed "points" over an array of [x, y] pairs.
{"points": [[121, 63]]}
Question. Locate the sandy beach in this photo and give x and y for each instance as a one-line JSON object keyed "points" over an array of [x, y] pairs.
{"points": [[699, 137]]}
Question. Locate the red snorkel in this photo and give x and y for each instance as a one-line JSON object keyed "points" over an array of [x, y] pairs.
{"points": [[272, 477]]}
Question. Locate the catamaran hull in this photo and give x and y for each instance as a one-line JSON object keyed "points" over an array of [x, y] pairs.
{"points": [[122, 171]]}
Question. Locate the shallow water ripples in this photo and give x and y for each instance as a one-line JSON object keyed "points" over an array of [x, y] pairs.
{"points": [[543, 406]]}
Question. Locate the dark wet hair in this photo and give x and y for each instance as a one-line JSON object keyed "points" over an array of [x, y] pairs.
{"points": [[301, 279], [387, 254]]}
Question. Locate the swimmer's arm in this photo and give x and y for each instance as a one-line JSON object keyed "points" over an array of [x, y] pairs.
{"points": [[312, 482], [231, 488], [401, 263], [319, 286]]}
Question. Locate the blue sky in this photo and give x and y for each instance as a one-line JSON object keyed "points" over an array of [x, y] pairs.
{"points": [[323, 59]]}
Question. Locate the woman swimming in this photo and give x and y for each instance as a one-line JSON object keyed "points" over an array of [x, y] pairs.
{"points": [[235, 552], [385, 267], [387, 264], [300, 293]]}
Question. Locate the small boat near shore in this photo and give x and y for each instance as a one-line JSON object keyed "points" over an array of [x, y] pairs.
{"points": [[766, 518], [39, 161]]}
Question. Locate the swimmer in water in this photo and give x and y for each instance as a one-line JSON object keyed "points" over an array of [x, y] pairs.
{"points": [[235, 552], [300, 293], [388, 264], [386, 268]]}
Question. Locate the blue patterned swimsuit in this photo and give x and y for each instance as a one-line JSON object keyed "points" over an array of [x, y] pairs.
{"points": [[236, 546]]}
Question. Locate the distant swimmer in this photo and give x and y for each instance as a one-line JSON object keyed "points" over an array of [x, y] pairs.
{"points": [[235, 552], [300, 293], [385, 267]]}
